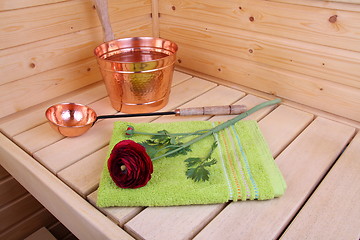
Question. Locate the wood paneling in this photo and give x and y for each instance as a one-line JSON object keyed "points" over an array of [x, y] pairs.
{"points": [[40, 56], [37, 23], [330, 27], [325, 95], [11, 4], [309, 59]]}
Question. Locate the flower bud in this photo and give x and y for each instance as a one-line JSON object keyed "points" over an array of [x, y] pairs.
{"points": [[130, 131]]}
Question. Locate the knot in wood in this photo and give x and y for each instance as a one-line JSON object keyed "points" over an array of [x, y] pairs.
{"points": [[333, 18]]}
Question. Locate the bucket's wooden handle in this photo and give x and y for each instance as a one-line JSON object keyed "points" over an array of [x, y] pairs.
{"points": [[102, 11], [213, 110]]}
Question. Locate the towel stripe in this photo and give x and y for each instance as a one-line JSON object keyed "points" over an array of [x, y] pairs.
{"points": [[256, 190], [233, 171], [231, 194], [238, 161]]}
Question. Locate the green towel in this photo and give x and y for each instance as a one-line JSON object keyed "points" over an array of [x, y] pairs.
{"points": [[245, 168]]}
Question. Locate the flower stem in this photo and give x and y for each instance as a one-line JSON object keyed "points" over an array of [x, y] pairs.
{"points": [[222, 126]]}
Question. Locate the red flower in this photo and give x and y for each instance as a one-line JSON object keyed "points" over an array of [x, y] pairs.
{"points": [[129, 131], [129, 165]]}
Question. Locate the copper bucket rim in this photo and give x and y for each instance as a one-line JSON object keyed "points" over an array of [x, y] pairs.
{"points": [[173, 51]]}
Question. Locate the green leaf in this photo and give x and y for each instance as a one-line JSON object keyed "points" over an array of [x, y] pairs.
{"points": [[197, 174], [151, 150], [209, 163], [190, 162], [183, 151]]}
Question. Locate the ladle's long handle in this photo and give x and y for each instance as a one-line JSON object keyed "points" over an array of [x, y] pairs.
{"points": [[102, 11], [213, 110]]}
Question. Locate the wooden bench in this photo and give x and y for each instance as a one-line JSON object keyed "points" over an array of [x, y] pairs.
{"points": [[313, 134]]}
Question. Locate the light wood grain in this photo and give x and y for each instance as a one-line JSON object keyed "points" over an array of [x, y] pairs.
{"points": [[11, 5], [84, 175], [40, 56], [303, 163], [290, 123], [46, 136], [51, 84], [35, 116], [213, 97], [305, 58], [184, 222], [296, 105], [80, 217], [120, 215], [155, 18], [304, 23], [47, 21], [332, 212], [348, 5], [55, 159], [315, 92], [249, 101]]}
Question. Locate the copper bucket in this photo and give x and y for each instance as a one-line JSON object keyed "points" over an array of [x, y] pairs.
{"points": [[137, 72]]}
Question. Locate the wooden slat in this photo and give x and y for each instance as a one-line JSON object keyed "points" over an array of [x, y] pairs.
{"points": [[83, 176], [311, 59], [325, 95], [120, 215], [51, 84], [333, 210], [184, 222], [17, 210], [26, 120], [40, 56], [179, 77], [249, 101], [46, 136], [46, 21], [292, 122], [303, 164], [297, 105], [305, 23], [72, 210], [55, 159], [29, 225], [41, 234], [215, 97], [10, 190]]}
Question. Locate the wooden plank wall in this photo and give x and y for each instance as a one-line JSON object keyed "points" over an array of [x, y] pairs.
{"points": [[46, 50], [305, 51], [43, 50]]}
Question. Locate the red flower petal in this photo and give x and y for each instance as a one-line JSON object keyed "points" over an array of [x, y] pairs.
{"points": [[136, 162]]}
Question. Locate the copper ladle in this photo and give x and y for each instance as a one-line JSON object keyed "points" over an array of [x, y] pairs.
{"points": [[72, 119]]}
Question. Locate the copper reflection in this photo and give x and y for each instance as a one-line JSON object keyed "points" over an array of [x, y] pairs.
{"points": [[71, 119]]}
